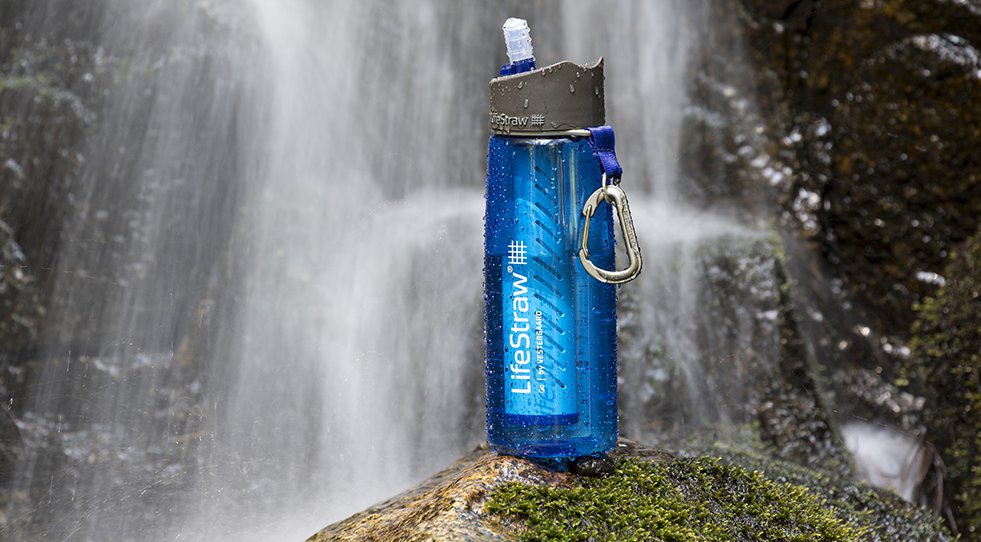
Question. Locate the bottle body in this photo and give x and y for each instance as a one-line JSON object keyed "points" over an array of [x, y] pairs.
{"points": [[550, 328]]}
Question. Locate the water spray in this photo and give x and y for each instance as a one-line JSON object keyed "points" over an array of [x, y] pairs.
{"points": [[549, 287]]}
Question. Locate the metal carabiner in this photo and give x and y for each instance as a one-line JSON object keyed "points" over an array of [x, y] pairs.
{"points": [[615, 196]]}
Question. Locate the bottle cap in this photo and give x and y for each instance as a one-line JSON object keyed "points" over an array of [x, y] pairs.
{"points": [[557, 98]]}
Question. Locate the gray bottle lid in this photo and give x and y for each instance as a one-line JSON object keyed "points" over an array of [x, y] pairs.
{"points": [[556, 98]]}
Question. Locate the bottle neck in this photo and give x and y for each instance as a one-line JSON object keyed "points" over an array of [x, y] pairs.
{"points": [[520, 66]]}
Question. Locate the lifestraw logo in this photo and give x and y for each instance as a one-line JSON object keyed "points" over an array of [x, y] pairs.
{"points": [[519, 338], [517, 253], [503, 119]]}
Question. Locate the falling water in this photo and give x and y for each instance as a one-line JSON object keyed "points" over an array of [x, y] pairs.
{"points": [[269, 310], [888, 458]]}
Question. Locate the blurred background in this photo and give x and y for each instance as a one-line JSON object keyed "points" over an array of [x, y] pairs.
{"points": [[241, 247]]}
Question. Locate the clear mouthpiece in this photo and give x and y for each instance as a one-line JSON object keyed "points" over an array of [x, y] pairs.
{"points": [[517, 36]]}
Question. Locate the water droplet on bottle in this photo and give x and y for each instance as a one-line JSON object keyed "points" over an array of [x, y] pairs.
{"points": [[578, 75], [521, 84], [596, 90], [526, 103], [572, 88]]}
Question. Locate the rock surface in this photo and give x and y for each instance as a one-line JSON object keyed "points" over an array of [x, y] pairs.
{"points": [[870, 139], [642, 494], [862, 139], [709, 340], [945, 367]]}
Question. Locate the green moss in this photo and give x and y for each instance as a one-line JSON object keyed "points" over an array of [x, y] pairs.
{"points": [[883, 514], [700, 499], [946, 367]]}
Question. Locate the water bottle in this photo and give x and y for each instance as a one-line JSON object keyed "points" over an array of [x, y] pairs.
{"points": [[550, 301]]}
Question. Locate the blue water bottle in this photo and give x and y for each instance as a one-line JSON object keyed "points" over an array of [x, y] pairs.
{"points": [[550, 301]]}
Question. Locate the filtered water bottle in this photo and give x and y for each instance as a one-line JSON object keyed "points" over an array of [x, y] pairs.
{"points": [[550, 306]]}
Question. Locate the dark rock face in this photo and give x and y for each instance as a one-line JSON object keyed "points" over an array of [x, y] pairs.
{"points": [[19, 298], [50, 86], [868, 133], [945, 367], [647, 494], [904, 184], [880, 104], [84, 105], [863, 139], [743, 362], [870, 105], [82, 120]]}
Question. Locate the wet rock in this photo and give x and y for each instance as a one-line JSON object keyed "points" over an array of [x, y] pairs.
{"points": [[447, 506], [51, 83], [866, 135], [865, 110], [85, 98], [19, 299], [592, 466], [877, 400], [731, 355], [648, 495], [81, 109], [859, 362], [724, 148], [888, 516], [796, 428], [904, 184], [944, 366], [67, 446], [851, 123]]}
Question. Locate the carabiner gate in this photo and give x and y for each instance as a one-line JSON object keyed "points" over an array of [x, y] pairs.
{"points": [[615, 196]]}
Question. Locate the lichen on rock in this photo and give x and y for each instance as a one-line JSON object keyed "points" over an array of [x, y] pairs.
{"points": [[946, 368]]}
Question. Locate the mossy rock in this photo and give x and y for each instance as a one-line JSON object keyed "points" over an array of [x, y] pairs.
{"points": [[643, 494], [946, 369], [685, 499], [886, 515]]}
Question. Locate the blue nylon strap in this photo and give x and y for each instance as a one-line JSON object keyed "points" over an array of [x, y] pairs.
{"points": [[603, 144]]}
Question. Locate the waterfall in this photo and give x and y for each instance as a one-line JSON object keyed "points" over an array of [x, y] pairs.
{"points": [[268, 314]]}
